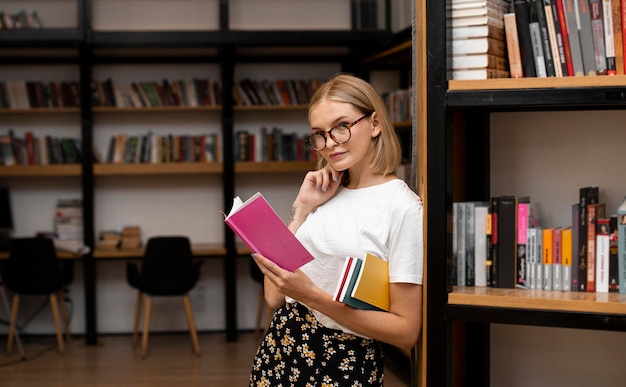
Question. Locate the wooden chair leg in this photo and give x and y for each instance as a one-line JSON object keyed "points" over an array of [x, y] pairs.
{"points": [[65, 314], [14, 306], [146, 327], [137, 318], [192, 325], [57, 323]]}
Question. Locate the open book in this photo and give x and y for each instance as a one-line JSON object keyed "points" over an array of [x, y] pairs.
{"points": [[262, 230], [364, 283]]}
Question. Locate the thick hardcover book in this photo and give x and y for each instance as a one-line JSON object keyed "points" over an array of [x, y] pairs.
{"points": [[479, 61], [573, 28], [613, 255], [554, 33], [479, 46], [587, 195], [347, 283], [461, 246], [523, 276], [492, 263], [507, 242], [547, 254], [480, 31], [602, 255], [597, 32], [609, 38], [566, 258], [481, 215], [512, 46], [585, 32], [575, 254], [531, 253], [595, 211], [262, 230], [470, 269], [538, 7], [537, 45], [464, 74], [621, 247], [522, 19], [455, 250], [616, 8]]}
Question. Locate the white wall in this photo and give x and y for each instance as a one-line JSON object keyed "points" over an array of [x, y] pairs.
{"points": [[549, 156]]}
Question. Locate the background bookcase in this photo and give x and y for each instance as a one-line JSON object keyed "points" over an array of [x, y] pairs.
{"points": [[87, 40], [483, 128]]}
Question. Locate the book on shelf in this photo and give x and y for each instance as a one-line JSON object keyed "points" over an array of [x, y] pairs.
{"points": [[621, 247], [618, 34], [575, 220], [512, 46], [609, 36], [521, 259], [587, 195], [538, 10], [598, 34], [68, 220], [262, 230], [505, 236], [613, 255], [483, 45], [477, 31], [470, 235], [531, 253], [555, 40], [566, 251], [595, 211], [565, 50], [481, 242], [461, 225], [570, 9], [557, 259], [485, 73], [602, 255], [479, 61], [585, 31], [547, 257], [522, 20], [537, 41]]}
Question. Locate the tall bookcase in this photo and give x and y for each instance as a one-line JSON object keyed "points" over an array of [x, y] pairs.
{"points": [[461, 170], [94, 54]]}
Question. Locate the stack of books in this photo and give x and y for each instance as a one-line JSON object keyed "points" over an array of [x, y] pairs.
{"points": [[477, 48], [131, 238]]}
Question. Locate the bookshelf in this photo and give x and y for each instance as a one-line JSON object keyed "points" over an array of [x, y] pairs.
{"points": [[462, 170], [86, 42]]}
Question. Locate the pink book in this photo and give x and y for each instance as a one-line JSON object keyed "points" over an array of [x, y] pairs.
{"points": [[262, 230]]}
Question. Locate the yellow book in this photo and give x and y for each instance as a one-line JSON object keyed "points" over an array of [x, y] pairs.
{"points": [[547, 258], [566, 251], [372, 284]]}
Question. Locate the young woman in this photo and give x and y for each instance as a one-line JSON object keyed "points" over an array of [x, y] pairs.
{"points": [[352, 204]]}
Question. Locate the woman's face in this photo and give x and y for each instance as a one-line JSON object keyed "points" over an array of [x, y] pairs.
{"points": [[357, 150]]}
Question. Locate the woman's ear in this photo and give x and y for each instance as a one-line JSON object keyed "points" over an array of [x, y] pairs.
{"points": [[375, 123]]}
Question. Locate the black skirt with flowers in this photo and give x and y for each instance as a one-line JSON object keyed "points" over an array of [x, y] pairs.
{"points": [[298, 351]]}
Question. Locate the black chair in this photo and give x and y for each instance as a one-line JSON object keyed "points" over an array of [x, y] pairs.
{"points": [[34, 269], [167, 269]]}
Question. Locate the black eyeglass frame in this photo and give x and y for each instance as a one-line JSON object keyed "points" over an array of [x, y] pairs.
{"points": [[330, 133]]}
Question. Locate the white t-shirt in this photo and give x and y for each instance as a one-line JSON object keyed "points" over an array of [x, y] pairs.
{"points": [[386, 220]]}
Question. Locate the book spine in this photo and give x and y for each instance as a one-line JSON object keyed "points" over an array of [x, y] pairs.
{"points": [[597, 31], [555, 42], [613, 255], [480, 244], [512, 46], [557, 257], [595, 211], [522, 280], [609, 38], [492, 265], [547, 258], [621, 248], [531, 246], [566, 250], [616, 6], [455, 249], [558, 11], [602, 256], [537, 44], [539, 8], [507, 242], [461, 246], [575, 255], [582, 239], [470, 271], [571, 15], [585, 32], [522, 18]]}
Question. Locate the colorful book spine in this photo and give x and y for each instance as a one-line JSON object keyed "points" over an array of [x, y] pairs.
{"points": [[613, 255], [547, 246], [595, 211], [557, 257], [523, 280], [566, 251], [602, 256], [621, 247]]}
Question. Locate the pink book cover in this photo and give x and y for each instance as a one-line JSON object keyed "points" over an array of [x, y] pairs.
{"points": [[262, 230]]}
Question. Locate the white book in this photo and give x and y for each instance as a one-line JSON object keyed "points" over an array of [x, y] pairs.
{"points": [[460, 74], [481, 212], [460, 227], [477, 21], [540, 61], [479, 31], [531, 251], [478, 46], [455, 249], [477, 61], [602, 261]]}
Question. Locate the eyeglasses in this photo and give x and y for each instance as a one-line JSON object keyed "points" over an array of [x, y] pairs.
{"points": [[340, 134]]}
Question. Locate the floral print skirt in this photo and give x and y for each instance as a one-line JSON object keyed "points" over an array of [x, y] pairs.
{"points": [[298, 351]]}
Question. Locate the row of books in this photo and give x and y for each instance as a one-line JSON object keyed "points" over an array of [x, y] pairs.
{"points": [[155, 148], [566, 38], [33, 94], [271, 145], [400, 106], [502, 244], [19, 20], [33, 150], [535, 38], [68, 220], [280, 92], [189, 92]]}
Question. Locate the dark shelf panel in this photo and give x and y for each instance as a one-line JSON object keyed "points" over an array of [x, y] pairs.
{"points": [[48, 38], [241, 38], [594, 321], [539, 99]]}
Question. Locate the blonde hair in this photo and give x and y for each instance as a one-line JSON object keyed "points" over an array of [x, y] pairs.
{"points": [[360, 94]]}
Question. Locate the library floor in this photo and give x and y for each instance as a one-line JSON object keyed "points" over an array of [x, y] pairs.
{"points": [[170, 362]]}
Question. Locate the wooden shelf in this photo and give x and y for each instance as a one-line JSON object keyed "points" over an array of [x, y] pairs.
{"points": [[40, 170], [168, 109], [274, 166], [156, 169], [577, 302], [269, 107], [538, 83], [41, 110]]}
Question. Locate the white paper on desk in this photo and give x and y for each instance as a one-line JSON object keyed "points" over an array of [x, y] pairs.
{"points": [[73, 247]]}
